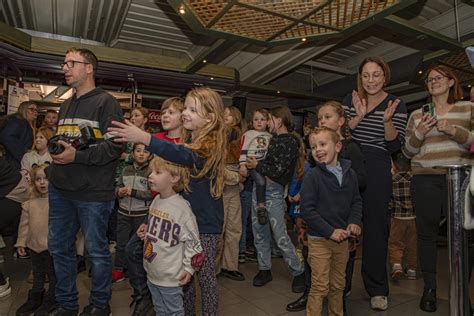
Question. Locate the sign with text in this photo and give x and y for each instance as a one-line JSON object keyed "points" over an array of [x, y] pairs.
{"points": [[154, 117]]}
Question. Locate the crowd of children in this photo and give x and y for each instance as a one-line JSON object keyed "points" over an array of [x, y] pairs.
{"points": [[185, 205]]}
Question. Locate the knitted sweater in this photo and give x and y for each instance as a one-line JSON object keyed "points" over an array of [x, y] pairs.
{"points": [[33, 228], [436, 148]]}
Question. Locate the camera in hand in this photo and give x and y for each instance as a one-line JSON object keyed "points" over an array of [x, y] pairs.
{"points": [[83, 141]]}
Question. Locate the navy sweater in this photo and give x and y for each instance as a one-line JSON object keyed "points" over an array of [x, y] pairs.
{"points": [[209, 212], [326, 205]]}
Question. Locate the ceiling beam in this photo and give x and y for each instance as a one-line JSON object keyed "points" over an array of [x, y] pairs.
{"points": [[410, 29], [12, 36], [329, 68], [207, 55], [469, 2], [275, 91]]}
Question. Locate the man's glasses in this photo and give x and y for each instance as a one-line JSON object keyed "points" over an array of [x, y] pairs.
{"points": [[71, 63], [434, 79]]}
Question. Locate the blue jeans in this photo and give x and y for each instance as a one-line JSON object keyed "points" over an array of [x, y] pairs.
{"points": [[246, 205], [276, 207], [65, 218], [167, 300]]}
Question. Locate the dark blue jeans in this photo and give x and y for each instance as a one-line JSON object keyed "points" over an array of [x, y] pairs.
{"points": [[136, 272], [65, 218]]}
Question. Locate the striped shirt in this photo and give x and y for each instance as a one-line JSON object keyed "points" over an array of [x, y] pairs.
{"points": [[371, 131], [400, 204], [436, 148]]}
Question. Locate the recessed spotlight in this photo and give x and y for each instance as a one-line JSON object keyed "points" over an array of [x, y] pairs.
{"points": [[204, 61], [303, 39], [278, 91], [181, 10], [469, 85], [420, 71], [212, 78]]}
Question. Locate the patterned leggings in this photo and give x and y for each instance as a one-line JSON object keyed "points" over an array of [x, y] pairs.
{"points": [[207, 280]]}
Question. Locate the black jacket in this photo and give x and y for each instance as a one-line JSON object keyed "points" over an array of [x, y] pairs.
{"points": [[91, 176], [9, 177], [351, 151], [280, 161], [326, 205], [17, 138]]}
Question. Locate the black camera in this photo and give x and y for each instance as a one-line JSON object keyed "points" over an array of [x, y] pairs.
{"points": [[83, 141]]}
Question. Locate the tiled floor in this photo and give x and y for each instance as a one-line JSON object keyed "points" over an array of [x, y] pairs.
{"points": [[241, 298]]}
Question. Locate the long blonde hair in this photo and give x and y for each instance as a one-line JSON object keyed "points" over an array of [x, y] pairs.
{"points": [[210, 141]]}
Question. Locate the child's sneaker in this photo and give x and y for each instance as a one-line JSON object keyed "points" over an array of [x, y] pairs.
{"points": [[411, 274], [299, 254], [241, 257], [397, 271], [117, 276], [5, 289]]}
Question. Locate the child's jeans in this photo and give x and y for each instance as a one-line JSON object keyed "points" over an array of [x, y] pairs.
{"points": [[402, 242], [328, 260], [167, 300], [260, 185], [126, 227]]}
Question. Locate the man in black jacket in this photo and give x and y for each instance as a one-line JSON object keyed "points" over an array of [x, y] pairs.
{"points": [[81, 191]]}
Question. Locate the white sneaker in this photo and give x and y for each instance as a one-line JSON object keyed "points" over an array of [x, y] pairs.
{"points": [[379, 303], [411, 274], [397, 271], [5, 289]]}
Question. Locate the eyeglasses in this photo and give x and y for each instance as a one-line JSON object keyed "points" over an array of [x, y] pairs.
{"points": [[375, 75], [33, 109], [71, 63], [434, 79]]}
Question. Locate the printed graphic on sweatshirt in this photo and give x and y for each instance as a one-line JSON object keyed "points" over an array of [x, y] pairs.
{"points": [[259, 149]]}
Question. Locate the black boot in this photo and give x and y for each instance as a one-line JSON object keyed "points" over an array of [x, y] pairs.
{"points": [[32, 304], [298, 305], [143, 306], [262, 278], [428, 301], [49, 302]]}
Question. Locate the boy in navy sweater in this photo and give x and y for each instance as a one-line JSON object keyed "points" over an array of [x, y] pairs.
{"points": [[331, 206]]}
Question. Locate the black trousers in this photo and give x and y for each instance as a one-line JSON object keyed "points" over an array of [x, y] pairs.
{"points": [[430, 200], [136, 272], [376, 220], [42, 265]]}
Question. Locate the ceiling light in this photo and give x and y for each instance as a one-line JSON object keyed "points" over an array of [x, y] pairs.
{"points": [[303, 39], [212, 78], [181, 10], [278, 91], [420, 71], [204, 61]]}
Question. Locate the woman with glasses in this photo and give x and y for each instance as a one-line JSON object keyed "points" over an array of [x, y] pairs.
{"points": [[439, 133], [18, 131], [377, 121]]}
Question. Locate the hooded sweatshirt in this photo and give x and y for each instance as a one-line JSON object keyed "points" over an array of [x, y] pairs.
{"points": [[90, 177]]}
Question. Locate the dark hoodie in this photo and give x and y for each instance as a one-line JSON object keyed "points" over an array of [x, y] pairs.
{"points": [[326, 205], [280, 161], [91, 176]]}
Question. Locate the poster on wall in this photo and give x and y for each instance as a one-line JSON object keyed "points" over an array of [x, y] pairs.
{"points": [[16, 95]]}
